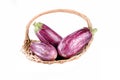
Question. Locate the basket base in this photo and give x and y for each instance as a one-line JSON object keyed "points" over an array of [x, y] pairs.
{"points": [[31, 56]]}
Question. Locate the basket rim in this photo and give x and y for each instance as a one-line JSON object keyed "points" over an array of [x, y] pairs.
{"points": [[56, 11]]}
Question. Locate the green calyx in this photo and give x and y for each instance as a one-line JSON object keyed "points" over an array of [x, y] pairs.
{"points": [[94, 31], [37, 26]]}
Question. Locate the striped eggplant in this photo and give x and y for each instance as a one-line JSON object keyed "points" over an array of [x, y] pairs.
{"points": [[74, 43], [44, 51], [46, 34]]}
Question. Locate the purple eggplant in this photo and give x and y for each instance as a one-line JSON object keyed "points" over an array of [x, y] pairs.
{"points": [[74, 43], [44, 51], [46, 34]]}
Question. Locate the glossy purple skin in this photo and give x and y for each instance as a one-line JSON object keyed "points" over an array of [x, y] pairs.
{"points": [[47, 35], [44, 51], [74, 43]]}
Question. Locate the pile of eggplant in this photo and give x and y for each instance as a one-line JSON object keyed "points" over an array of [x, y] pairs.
{"points": [[52, 45]]}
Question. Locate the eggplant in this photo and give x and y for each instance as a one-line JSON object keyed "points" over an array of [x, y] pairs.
{"points": [[46, 34], [73, 43], [44, 51]]}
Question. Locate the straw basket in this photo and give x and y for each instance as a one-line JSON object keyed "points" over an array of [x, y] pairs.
{"points": [[30, 55]]}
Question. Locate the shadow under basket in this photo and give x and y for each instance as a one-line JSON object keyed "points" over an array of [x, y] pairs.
{"points": [[26, 46]]}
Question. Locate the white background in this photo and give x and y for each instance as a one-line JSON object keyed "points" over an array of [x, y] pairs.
{"points": [[100, 62]]}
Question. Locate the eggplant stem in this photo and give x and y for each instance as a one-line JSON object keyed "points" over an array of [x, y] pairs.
{"points": [[37, 26], [94, 31]]}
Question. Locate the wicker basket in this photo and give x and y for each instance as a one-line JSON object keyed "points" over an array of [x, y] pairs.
{"points": [[27, 41]]}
